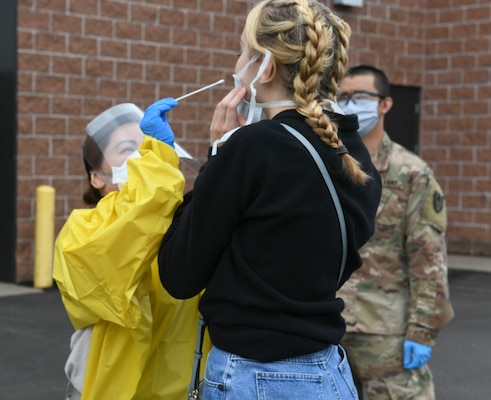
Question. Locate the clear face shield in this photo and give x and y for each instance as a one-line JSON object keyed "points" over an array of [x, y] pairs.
{"points": [[113, 137]]}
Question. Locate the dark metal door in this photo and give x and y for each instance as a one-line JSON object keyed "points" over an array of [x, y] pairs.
{"points": [[402, 121], [8, 137]]}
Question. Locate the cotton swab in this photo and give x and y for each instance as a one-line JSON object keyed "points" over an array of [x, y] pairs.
{"points": [[187, 158], [200, 90]]}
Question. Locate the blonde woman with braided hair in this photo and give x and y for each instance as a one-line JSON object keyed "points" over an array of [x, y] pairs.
{"points": [[261, 231]]}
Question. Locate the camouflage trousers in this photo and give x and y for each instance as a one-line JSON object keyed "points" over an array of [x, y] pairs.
{"points": [[376, 364]]}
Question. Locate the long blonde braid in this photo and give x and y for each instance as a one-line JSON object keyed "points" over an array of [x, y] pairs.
{"points": [[309, 47]]}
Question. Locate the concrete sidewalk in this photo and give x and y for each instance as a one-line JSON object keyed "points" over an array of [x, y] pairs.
{"points": [[479, 264]]}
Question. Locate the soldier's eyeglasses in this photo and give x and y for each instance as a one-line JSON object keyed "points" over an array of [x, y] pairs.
{"points": [[344, 98]]}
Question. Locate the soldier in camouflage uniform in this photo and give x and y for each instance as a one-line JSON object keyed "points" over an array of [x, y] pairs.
{"points": [[396, 304]]}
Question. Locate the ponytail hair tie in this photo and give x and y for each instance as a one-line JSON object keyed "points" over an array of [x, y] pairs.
{"points": [[341, 150]]}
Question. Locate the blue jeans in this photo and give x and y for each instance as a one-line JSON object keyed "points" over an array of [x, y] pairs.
{"points": [[324, 375]]}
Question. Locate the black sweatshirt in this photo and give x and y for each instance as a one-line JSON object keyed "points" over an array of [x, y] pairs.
{"points": [[261, 234]]}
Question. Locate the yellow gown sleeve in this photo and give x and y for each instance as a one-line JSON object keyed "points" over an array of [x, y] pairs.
{"points": [[101, 254]]}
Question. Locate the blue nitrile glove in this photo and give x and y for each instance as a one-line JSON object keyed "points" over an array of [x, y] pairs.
{"points": [[154, 123], [415, 354]]}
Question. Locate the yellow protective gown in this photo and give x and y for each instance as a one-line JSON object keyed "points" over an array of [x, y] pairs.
{"points": [[105, 267]]}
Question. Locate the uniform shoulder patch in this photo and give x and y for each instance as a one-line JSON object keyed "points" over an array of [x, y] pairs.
{"points": [[433, 211], [438, 201]]}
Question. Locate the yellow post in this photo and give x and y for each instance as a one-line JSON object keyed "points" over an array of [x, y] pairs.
{"points": [[44, 236]]}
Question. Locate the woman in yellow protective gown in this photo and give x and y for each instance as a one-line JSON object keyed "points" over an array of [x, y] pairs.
{"points": [[132, 340]]}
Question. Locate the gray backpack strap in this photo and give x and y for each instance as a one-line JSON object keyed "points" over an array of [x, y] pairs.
{"points": [[327, 178], [194, 386]]}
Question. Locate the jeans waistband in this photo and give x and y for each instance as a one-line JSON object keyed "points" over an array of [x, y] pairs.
{"points": [[312, 358]]}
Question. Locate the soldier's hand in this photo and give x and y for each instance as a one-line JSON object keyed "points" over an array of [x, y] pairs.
{"points": [[415, 354]]}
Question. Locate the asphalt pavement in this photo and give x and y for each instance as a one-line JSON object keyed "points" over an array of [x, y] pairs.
{"points": [[35, 334]]}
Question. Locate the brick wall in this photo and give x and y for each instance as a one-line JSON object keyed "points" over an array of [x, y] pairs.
{"points": [[457, 117], [76, 58], [444, 47]]}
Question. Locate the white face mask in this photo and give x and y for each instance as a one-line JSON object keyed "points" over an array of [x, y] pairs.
{"points": [[250, 109], [253, 111], [367, 112]]}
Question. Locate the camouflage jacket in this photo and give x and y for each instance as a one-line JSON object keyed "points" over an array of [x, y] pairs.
{"points": [[402, 287]]}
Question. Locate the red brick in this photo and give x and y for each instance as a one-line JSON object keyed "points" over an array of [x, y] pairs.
{"points": [[83, 46], [233, 7], [67, 106], [211, 6], [50, 84], [115, 10], [66, 65], [99, 27], [171, 55], [475, 108], [143, 52], [25, 40], [65, 23], [139, 90], [82, 86], [49, 166], [224, 24], [114, 89], [96, 67], [50, 42], [172, 17], [474, 201], [157, 34], [36, 20], [157, 72], [24, 126], [474, 170], [31, 104], [25, 166], [199, 21], [114, 49], [474, 139], [88, 7], [127, 30], [483, 153], [186, 74], [438, 32], [462, 93], [58, 5], [142, 13], [130, 70], [50, 125]]}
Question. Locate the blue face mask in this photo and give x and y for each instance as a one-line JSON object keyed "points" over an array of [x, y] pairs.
{"points": [[367, 112]]}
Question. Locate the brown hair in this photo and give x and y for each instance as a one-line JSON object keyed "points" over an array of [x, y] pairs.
{"points": [[93, 157]]}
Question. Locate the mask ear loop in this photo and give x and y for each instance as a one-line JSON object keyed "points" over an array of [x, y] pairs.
{"points": [[259, 74], [238, 76]]}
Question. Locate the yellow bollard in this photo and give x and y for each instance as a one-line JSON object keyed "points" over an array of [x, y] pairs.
{"points": [[44, 236]]}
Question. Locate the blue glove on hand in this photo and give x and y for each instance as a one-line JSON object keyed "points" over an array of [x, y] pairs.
{"points": [[415, 354], [154, 123]]}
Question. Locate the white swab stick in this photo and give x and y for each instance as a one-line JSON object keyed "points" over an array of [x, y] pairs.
{"points": [[200, 90]]}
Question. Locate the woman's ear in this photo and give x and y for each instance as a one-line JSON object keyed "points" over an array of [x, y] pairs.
{"points": [[269, 73], [97, 181]]}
